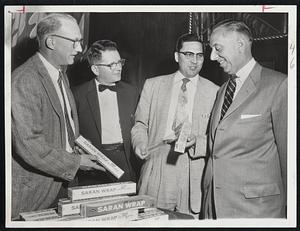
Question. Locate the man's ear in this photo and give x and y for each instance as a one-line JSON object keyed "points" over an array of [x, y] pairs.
{"points": [[241, 43], [94, 69], [176, 56], [49, 42]]}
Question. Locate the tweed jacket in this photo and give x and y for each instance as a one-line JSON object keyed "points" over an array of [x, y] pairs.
{"points": [[39, 160]]}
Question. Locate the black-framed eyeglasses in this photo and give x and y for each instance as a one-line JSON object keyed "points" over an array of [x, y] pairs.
{"points": [[113, 65], [190, 55], [76, 42]]}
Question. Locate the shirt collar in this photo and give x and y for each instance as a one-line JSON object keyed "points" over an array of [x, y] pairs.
{"points": [[53, 72], [245, 70], [179, 76], [98, 83]]}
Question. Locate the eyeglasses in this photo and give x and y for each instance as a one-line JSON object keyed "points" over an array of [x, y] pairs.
{"points": [[114, 65], [190, 55], [76, 42]]}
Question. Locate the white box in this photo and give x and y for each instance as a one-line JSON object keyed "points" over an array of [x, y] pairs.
{"points": [[101, 158]]}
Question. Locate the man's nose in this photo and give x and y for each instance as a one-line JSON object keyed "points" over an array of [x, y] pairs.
{"points": [[213, 55], [79, 48], [194, 59]]}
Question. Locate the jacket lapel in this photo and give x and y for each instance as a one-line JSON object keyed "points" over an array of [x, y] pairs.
{"points": [[92, 98], [247, 89], [216, 112], [163, 104], [199, 106], [51, 92], [122, 97], [48, 85]]}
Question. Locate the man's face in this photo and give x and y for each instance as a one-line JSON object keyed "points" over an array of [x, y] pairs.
{"points": [[106, 74], [66, 50], [189, 64], [226, 50]]}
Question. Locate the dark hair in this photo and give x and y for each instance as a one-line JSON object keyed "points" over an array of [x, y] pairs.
{"points": [[237, 26], [187, 38], [94, 53]]}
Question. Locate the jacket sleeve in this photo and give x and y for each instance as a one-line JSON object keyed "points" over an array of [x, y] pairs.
{"points": [[30, 136], [279, 120], [139, 132]]}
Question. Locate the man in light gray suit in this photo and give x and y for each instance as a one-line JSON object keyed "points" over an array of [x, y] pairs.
{"points": [[246, 171], [44, 118], [173, 178]]}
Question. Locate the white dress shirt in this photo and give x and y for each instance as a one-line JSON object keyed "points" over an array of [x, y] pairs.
{"points": [[243, 74], [54, 75], [109, 113], [191, 87]]}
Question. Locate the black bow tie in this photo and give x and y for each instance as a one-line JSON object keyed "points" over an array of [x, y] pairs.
{"points": [[103, 87]]}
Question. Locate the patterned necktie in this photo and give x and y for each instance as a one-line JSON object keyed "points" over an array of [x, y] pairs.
{"points": [[71, 136], [228, 95], [181, 113], [104, 87]]}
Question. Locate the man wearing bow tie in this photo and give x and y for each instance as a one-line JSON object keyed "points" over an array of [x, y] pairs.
{"points": [[106, 106], [246, 171]]}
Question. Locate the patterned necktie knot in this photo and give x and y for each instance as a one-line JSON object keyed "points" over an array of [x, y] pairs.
{"points": [[104, 87], [184, 82]]}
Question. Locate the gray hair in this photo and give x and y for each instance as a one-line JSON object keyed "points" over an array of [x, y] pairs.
{"points": [[50, 24], [237, 26]]}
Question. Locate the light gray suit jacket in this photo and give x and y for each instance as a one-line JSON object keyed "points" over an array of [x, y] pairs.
{"points": [[248, 150], [150, 125], [39, 160]]}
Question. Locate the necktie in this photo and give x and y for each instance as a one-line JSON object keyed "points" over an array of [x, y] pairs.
{"points": [[230, 89], [71, 136], [181, 113], [104, 87]]}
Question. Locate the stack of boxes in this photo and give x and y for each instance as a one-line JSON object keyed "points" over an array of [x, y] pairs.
{"points": [[104, 202]]}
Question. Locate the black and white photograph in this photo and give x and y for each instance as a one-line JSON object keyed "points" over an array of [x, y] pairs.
{"points": [[158, 116]]}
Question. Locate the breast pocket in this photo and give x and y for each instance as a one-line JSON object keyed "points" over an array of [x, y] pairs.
{"points": [[254, 127]]}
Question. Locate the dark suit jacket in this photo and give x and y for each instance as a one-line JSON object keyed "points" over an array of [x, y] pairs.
{"points": [[89, 115], [247, 166], [39, 160]]}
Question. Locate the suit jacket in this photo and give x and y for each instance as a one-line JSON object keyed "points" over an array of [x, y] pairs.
{"points": [[247, 163], [150, 125], [39, 160], [86, 98]]}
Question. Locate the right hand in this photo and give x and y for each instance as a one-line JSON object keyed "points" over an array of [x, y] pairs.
{"points": [[89, 162], [141, 151]]}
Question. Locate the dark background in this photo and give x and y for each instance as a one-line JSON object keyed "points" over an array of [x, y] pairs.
{"points": [[147, 41]]}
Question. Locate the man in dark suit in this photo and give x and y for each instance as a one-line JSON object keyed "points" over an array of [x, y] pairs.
{"points": [[246, 173], [44, 118], [106, 107]]}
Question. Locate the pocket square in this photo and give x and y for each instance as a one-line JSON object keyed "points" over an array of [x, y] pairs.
{"points": [[247, 116]]}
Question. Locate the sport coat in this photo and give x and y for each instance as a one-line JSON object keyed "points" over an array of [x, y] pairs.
{"points": [[86, 97], [40, 161], [150, 126], [248, 149]]}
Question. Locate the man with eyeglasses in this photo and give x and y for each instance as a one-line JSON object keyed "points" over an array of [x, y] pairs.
{"points": [[44, 119], [106, 106], [166, 102]]}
